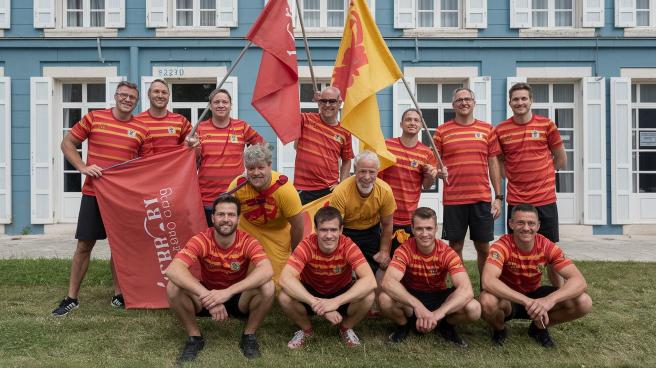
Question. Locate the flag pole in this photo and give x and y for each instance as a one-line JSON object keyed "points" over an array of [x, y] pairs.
{"points": [[423, 123], [307, 47], [230, 70]]}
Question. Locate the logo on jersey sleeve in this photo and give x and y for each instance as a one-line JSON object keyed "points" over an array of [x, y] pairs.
{"points": [[339, 138], [495, 255], [132, 133]]}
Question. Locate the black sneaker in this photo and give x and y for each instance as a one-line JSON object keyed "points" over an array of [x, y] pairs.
{"points": [[117, 301], [448, 332], [65, 306], [249, 346], [192, 347], [541, 336], [499, 337], [400, 333]]}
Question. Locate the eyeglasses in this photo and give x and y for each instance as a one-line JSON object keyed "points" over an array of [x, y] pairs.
{"points": [[463, 100], [328, 101], [127, 96]]}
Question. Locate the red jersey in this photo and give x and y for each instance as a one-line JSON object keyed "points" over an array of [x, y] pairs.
{"points": [[166, 132], [318, 152], [528, 160], [406, 176], [111, 141], [326, 273], [221, 268], [520, 270], [426, 272], [222, 155], [465, 150]]}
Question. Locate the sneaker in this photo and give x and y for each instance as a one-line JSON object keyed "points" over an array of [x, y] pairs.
{"points": [[400, 333], [299, 340], [541, 336], [191, 349], [249, 346], [499, 337], [117, 301], [448, 332], [350, 338], [65, 306]]}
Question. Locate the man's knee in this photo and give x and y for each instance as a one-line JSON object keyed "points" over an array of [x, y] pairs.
{"points": [[173, 291], [489, 303], [268, 290], [473, 310], [85, 246], [457, 245], [482, 248], [583, 304]]}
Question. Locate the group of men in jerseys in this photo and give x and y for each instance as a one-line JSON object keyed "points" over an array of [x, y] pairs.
{"points": [[372, 243]]}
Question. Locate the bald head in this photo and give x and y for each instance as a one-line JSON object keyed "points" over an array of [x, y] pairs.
{"points": [[329, 102]]}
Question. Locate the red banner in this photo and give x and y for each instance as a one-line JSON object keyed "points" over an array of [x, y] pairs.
{"points": [[150, 207], [275, 95]]}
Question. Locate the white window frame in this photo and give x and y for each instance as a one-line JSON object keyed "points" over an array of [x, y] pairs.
{"points": [[323, 30], [5, 16], [472, 15], [5, 146], [162, 15], [86, 15], [50, 15], [626, 17], [587, 15]]}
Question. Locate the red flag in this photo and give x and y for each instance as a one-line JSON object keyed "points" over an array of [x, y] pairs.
{"points": [[151, 208], [276, 91]]}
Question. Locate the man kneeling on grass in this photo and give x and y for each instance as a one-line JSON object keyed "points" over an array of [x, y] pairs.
{"points": [[414, 287], [318, 279], [512, 277], [226, 288]]}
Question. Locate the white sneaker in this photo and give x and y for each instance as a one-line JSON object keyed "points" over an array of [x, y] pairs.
{"points": [[350, 338], [299, 339]]}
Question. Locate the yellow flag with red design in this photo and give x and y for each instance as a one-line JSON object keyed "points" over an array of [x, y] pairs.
{"points": [[364, 66]]}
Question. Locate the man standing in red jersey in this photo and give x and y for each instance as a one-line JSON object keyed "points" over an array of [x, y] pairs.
{"points": [[512, 278], [414, 287], [222, 143], [414, 170], [318, 280], [167, 129], [114, 136], [323, 143], [235, 280], [469, 149]]}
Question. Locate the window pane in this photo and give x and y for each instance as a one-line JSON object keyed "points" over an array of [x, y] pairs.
{"points": [[184, 18], [647, 140], [565, 183], [191, 92], [311, 13], [647, 118], [308, 109], [642, 18], [568, 139], [635, 183], [184, 4], [74, 19], [449, 4], [426, 5], [208, 4], [72, 92], [431, 118], [563, 92], [336, 5], [97, 19], [648, 93], [207, 18], [449, 114], [336, 18], [72, 183], [634, 161], [307, 94], [427, 93], [449, 19], [570, 161], [642, 4], [71, 117], [539, 4], [97, 4], [564, 118], [563, 19], [540, 92], [426, 20], [634, 92], [74, 4], [541, 112], [184, 112], [647, 183], [647, 161], [447, 92], [564, 4], [96, 92]]}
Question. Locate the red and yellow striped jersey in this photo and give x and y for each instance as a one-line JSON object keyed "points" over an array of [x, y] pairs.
{"points": [[520, 270], [318, 152], [528, 160], [465, 150], [222, 155], [111, 141], [406, 176], [221, 268], [166, 132], [326, 273], [426, 272]]}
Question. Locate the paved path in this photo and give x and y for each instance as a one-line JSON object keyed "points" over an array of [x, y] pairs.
{"points": [[608, 248]]}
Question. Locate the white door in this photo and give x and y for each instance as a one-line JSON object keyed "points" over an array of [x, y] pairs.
{"points": [[643, 153]]}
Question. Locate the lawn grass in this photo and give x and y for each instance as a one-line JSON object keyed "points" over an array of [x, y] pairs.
{"points": [[621, 330]]}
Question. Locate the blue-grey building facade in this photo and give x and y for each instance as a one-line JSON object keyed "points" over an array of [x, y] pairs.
{"points": [[592, 64]]}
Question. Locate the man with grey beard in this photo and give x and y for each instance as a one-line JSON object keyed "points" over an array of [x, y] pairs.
{"points": [[367, 205]]}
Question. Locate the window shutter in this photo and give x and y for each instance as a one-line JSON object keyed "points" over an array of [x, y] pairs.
{"points": [[520, 14], [594, 151], [401, 101], [41, 148], [593, 13], [145, 84], [372, 8], [625, 13], [5, 14], [157, 13], [620, 147], [115, 13], [285, 159], [5, 150], [226, 13], [110, 89], [231, 86], [404, 13], [511, 81], [482, 87], [44, 13], [476, 14]]}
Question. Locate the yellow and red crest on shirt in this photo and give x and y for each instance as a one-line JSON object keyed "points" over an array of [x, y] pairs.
{"points": [[235, 266], [132, 133], [171, 130], [233, 138], [535, 134], [339, 138]]}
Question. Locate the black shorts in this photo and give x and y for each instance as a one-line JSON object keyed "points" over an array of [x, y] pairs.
{"points": [[308, 196], [343, 309], [208, 216], [548, 216], [476, 216], [432, 299], [368, 240], [231, 306], [519, 311], [89, 222], [395, 242]]}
